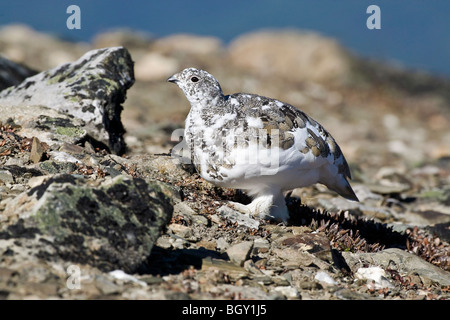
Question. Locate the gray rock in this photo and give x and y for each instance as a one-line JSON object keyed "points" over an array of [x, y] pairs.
{"points": [[12, 73], [314, 243], [105, 286], [294, 258], [404, 261], [6, 176], [37, 150], [347, 294], [112, 226], [182, 209], [240, 252], [237, 217], [56, 167], [48, 125], [222, 244], [91, 89], [374, 211]]}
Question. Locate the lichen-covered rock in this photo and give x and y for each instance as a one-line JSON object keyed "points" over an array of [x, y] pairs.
{"points": [[48, 125], [112, 226], [90, 89]]}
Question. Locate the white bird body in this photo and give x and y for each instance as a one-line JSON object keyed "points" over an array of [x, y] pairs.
{"points": [[258, 144]]}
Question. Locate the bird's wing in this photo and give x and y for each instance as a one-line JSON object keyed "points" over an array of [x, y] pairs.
{"points": [[295, 128]]}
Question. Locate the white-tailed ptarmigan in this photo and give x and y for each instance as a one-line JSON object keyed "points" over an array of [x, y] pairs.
{"points": [[258, 144]]}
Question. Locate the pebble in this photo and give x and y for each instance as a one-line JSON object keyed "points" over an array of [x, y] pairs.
{"points": [[260, 246], [6, 176], [222, 244], [62, 156], [324, 278], [240, 252], [314, 243], [36, 150], [237, 217], [120, 275], [180, 230], [376, 275], [164, 242], [106, 286], [37, 181], [288, 291]]}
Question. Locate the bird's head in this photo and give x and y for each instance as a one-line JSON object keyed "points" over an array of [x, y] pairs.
{"points": [[198, 85]]}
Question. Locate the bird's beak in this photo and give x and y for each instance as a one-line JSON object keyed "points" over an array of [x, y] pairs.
{"points": [[173, 79]]}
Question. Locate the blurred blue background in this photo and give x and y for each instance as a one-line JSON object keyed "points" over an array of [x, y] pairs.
{"points": [[415, 34]]}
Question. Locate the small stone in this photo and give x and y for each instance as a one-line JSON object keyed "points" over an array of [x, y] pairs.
{"points": [[389, 188], [250, 266], [56, 167], [240, 252], [210, 245], [6, 176], [183, 209], [105, 286], [376, 277], [198, 219], [288, 291], [178, 243], [180, 230], [120, 275], [294, 258], [300, 230], [315, 243], [260, 246], [233, 271], [61, 156], [324, 278], [222, 244], [236, 217], [164, 242], [37, 151], [37, 181], [347, 294], [72, 148], [404, 260], [280, 281]]}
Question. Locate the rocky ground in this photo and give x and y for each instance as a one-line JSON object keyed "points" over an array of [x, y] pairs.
{"points": [[94, 204]]}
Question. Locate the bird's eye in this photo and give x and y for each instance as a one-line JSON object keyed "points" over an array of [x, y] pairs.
{"points": [[194, 79]]}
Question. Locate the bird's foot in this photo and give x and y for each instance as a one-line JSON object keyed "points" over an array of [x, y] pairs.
{"points": [[241, 208], [263, 207]]}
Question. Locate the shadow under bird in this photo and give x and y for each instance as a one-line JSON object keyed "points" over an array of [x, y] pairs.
{"points": [[261, 145]]}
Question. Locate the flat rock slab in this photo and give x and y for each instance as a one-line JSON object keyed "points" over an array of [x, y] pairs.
{"points": [[240, 252], [110, 226], [404, 261], [90, 89], [237, 217], [314, 243]]}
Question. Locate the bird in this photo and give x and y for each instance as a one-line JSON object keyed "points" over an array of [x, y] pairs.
{"points": [[258, 144]]}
